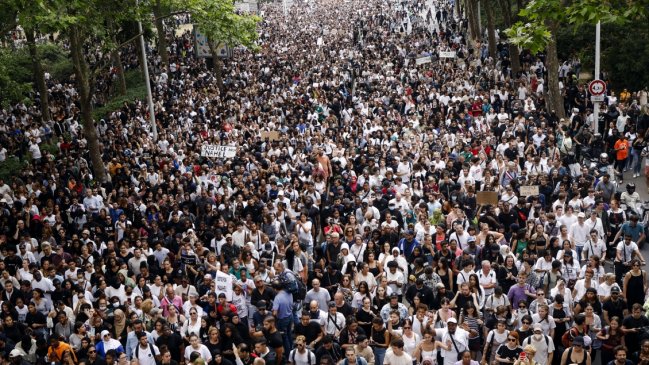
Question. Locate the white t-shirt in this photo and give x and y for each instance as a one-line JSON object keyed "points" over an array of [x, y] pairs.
{"points": [[392, 359], [203, 350], [627, 250], [547, 324], [296, 358], [543, 348], [144, 355]]}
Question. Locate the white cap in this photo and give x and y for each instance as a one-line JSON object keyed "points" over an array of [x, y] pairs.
{"points": [[451, 320]]}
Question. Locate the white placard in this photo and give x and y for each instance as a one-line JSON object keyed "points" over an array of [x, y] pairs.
{"points": [[208, 150], [447, 54], [423, 60], [223, 284], [597, 98]]}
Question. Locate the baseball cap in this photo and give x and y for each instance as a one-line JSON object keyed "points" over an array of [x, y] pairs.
{"points": [[579, 340], [451, 320], [538, 327]]}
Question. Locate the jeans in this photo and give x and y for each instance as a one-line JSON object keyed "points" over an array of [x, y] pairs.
{"points": [[379, 355], [579, 249], [285, 325], [634, 161]]}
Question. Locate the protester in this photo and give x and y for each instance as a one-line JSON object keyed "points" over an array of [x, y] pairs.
{"points": [[396, 193]]}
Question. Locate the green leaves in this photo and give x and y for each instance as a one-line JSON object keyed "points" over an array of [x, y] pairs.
{"points": [[542, 16], [531, 36], [219, 21]]}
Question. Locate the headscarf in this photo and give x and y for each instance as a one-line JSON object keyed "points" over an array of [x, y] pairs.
{"points": [[111, 343], [120, 321]]}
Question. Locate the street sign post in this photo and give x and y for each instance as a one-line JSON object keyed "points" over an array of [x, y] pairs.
{"points": [[597, 87]]}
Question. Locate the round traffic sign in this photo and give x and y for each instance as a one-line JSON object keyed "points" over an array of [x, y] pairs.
{"points": [[597, 87]]}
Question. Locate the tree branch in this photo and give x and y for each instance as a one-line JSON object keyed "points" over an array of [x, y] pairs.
{"points": [[172, 14]]}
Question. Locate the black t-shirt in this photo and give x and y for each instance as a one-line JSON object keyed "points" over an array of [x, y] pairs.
{"points": [[631, 339], [37, 317], [311, 331], [267, 295], [274, 339], [507, 353], [615, 309]]}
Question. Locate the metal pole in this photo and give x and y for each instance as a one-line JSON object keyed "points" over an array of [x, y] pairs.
{"points": [[285, 9], [149, 97], [596, 76]]}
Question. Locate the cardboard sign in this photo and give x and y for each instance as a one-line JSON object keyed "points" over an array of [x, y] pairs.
{"points": [[423, 60], [270, 135], [487, 197], [447, 54], [208, 150], [529, 190], [223, 284]]}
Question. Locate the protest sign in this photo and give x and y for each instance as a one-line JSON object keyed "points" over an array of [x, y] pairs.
{"points": [[423, 60], [529, 190], [208, 150], [223, 284], [487, 197]]}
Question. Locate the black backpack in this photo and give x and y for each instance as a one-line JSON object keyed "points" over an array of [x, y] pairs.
{"points": [[293, 285]]}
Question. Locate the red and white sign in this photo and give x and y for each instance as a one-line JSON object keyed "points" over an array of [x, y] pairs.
{"points": [[597, 87]]}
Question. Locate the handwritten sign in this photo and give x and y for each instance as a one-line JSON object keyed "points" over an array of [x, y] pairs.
{"points": [[208, 150], [447, 54], [423, 60], [270, 135], [487, 197], [529, 190], [223, 284]]}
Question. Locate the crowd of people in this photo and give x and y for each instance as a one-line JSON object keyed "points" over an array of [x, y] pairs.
{"points": [[398, 197]]}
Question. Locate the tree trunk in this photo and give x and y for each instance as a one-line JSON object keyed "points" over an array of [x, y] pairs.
{"points": [[83, 85], [39, 77], [554, 98], [472, 17], [491, 28], [515, 58], [162, 39], [121, 79], [218, 66], [514, 53]]}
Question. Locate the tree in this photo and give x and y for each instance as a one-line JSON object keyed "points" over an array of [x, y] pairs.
{"points": [[25, 11], [161, 9], [543, 18], [218, 20], [86, 22]]}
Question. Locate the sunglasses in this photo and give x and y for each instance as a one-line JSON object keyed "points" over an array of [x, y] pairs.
{"points": [[92, 352], [511, 339], [406, 328], [525, 322]]}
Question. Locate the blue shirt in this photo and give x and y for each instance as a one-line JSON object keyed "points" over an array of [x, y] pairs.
{"points": [[283, 304]]}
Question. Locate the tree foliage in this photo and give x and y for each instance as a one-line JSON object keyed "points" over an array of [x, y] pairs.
{"points": [[534, 31], [222, 24], [17, 77]]}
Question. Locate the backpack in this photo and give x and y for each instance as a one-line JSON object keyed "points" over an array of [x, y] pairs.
{"points": [[308, 356], [569, 336], [137, 350], [293, 285], [528, 340]]}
